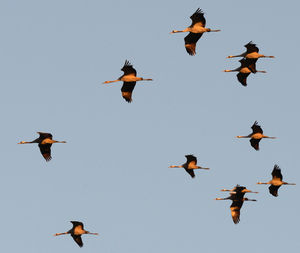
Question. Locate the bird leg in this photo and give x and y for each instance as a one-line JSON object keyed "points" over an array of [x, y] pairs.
{"points": [[265, 136], [265, 56], [198, 167], [92, 233], [147, 79], [246, 199]]}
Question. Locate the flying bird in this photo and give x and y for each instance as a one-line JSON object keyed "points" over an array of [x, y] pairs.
{"points": [[76, 231], [129, 80], [237, 198], [238, 191], [276, 181], [247, 67], [190, 165], [45, 142], [252, 52], [256, 136], [196, 29]]}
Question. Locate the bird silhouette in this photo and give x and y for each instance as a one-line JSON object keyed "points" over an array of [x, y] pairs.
{"points": [[129, 80], [237, 198], [45, 142], [190, 165], [76, 231], [196, 30], [276, 181], [247, 67], [256, 136]]}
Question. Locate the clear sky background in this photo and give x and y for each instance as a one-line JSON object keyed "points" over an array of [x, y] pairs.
{"points": [[113, 172]]}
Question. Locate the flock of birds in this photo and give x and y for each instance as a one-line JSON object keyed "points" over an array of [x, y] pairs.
{"points": [[129, 79]]}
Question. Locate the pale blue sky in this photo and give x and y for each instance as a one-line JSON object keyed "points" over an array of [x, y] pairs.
{"points": [[113, 172]]}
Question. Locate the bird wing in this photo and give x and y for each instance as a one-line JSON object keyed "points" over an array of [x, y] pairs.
{"points": [[276, 173], [274, 190], [191, 158], [235, 210], [239, 192], [242, 77], [252, 65], [255, 143], [256, 128], [198, 17], [251, 47], [45, 135], [77, 239], [77, 224], [191, 172], [190, 42], [46, 151], [127, 90], [128, 69]]}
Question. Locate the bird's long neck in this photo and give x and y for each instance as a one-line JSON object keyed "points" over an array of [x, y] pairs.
{"points": [[176, 166], [182, 31], [240, 55], [117, 80], [222, 198], [263, 183], [247, 136], [232, 70], [211, 30], [65, 233], [28, 142]]}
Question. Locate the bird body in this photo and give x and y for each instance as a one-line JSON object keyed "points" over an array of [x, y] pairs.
{"points": [[252, 52], [276, 181], [129, 79], [196, 29], [247, 67], [256, 136], [45, 142], [238, 191], [190, 165], [76, 231]]}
